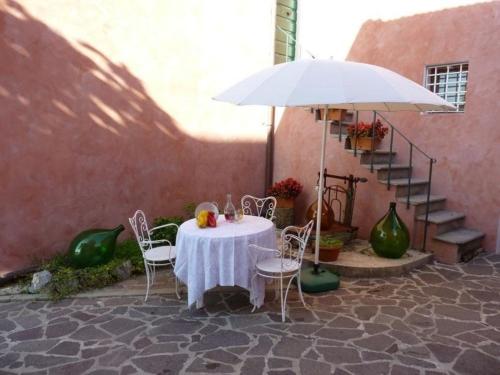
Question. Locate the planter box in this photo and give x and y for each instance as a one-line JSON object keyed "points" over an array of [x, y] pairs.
{"points": [[333, 114], [364, 143]]}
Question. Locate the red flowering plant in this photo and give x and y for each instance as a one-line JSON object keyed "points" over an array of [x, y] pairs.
{"points": [[287, 189], [365, 130]]}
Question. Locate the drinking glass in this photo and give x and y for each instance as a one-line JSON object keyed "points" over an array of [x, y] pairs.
{"points": [[239, 215]]}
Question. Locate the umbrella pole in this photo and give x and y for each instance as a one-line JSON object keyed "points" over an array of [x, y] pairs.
{"points": [[320, 192], [313, 279]]}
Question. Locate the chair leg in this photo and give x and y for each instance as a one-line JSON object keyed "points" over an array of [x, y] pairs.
{"points": [[286, 293], [300, 292], [147, 282], [153, 274], [281, 296], [251, 283]]}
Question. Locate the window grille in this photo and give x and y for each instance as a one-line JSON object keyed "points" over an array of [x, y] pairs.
{"points": [[449, 82]]}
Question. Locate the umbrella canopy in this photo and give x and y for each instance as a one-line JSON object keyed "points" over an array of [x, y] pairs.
{"points": [[332, 84], [338, 84]]}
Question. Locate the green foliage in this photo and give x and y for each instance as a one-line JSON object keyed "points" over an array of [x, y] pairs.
{"points": [[168, 233], [129, 249], [67, 281], [330, 242], [63, 283], [189, 209]]}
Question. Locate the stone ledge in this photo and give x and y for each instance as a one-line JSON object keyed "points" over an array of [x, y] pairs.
{"points": [[356, 263]]}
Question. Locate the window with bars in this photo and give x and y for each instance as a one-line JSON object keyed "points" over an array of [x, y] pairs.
{"points": [[449, 82]]}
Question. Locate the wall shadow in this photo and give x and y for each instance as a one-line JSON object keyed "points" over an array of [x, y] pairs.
{"points": [[84, 145]]}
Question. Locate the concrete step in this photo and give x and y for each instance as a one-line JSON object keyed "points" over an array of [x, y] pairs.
{"points": [[417, 186], [397, 170], [457, 245], [460, 236], [442, 216], [379, 156], [419, 201], [334, 127], [443, 221], [342, 138]]}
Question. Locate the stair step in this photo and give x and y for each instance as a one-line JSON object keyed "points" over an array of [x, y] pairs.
{"points": [[379, 156], [379, 167], [334, 127], [442, 216], [417, 186], [397, 170], [419, 199], [460, 236], [419, 202], [404, 181], [378, 152]]}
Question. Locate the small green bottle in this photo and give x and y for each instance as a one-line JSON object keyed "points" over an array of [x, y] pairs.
{"points": [[390, 237]]}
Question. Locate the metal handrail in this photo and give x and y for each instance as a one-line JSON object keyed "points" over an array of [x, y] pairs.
{"points": [[404, 137], [412, 146]]}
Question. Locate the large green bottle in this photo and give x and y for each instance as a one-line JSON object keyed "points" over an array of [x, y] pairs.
{"points": [[93, 247], [390, 237]]}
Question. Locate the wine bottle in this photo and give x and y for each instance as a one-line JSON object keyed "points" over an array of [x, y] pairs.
{"points": [[229, 210]]}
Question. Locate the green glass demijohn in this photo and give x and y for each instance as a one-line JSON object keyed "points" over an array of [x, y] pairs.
{"points": [[390, 237], [93, 247]]}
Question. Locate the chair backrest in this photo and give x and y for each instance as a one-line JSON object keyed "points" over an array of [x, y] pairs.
{"points": [[294, 241], [140, 226], [259, 206]]}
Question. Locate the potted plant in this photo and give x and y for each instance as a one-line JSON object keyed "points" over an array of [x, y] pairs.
{"points": [[285, 192], [362, 135], [329, 248]]}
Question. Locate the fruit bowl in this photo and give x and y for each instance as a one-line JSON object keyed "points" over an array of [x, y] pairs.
{"points": [[208, 206]]}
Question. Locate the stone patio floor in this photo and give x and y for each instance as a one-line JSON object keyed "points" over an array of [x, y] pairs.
{"points": [[437, 320]]}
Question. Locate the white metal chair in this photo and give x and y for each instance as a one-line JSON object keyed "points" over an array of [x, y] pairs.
{"points": [[287, 263], [153, 256], [259, 206]]}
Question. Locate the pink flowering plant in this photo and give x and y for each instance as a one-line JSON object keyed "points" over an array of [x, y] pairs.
{"points": [[287, 189], [365, 129]]}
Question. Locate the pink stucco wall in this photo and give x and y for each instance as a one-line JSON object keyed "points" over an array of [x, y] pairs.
{"points": [[102, 113], [466, 145]]}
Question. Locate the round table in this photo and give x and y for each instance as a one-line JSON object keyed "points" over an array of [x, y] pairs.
{"points": [[207, 257]]}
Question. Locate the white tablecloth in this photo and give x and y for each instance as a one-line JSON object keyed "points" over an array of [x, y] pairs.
{"points": [[220, 256]]}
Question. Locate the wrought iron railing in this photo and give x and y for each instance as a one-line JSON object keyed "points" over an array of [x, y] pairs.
{"points": [[412, 147]]}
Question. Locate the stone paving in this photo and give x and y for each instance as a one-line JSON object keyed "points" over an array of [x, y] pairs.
{"points": [[437, 320]]}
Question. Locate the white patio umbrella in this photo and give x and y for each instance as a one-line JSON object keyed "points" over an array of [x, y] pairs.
{"points": [[333, 84]]}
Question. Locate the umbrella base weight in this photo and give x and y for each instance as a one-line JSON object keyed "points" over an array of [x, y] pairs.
{"points": [[323, 281]]}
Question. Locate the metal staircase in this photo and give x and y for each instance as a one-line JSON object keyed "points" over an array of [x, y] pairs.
{"points": [[436, 229]]}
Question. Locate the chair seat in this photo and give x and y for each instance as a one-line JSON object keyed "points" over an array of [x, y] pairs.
{"points": [[273, 266], [160, 254]]}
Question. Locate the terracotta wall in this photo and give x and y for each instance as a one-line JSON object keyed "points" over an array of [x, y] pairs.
{"points": [[466, 145], [105, 108]]}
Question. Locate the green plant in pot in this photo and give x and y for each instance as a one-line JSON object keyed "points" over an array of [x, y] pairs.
{"points": [[329, 248]]}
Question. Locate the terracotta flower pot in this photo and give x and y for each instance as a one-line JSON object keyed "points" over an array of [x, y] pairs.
{"points": [[284, 202], [329, 254]]}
